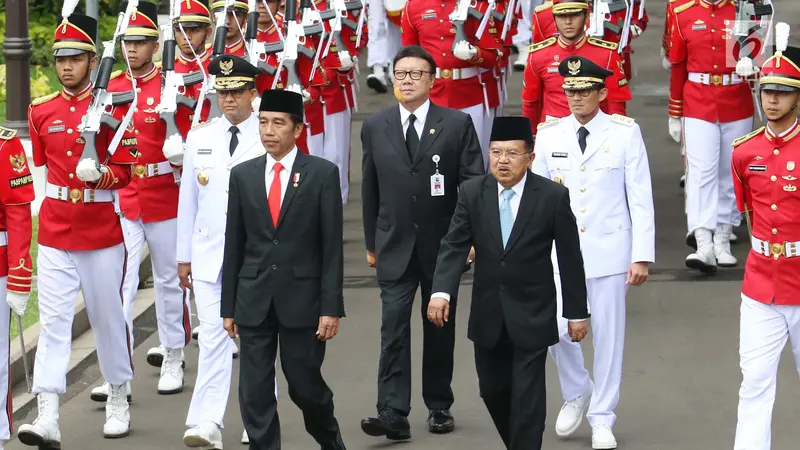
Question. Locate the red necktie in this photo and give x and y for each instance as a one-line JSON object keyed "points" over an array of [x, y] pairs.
{"points": [[274, 196]]}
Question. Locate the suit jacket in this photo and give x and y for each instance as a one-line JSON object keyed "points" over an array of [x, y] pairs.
{"points": [[298, 267], [399, 212], [514, 287]]}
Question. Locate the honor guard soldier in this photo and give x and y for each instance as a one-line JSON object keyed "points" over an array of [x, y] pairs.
{"points": [[81, 244], [542, 93], [666, 36], [192, 29], [603, 161], [267, 29], [149, 204], [16, 268], [709, 107], [543, 23], [765, 174], [212, 150], [235, 21], [385, 40], [459, 80]]}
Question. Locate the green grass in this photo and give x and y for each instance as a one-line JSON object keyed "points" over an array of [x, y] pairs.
{"points": [[32, 312]]}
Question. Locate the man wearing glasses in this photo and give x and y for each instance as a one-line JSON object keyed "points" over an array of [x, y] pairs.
{"points": [[409, 192], [212, 150], [603, 161]]}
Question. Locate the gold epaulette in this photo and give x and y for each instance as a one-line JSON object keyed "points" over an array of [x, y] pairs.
{"points": [[624, 120], [115, 74], [540, 45], [548, 123], [601, 43], [157, 64], [544, 6], [202, 124], [7, 133], [44, 98], [747, 137], [209, 45], [684, 7]]}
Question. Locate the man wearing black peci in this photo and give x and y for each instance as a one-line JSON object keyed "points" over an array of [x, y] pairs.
{"points": [[282, 275], [415, 155], [512, 217]]}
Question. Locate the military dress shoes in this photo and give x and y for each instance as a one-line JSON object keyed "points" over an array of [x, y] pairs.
{"points": [[118, 419], [43, 432], [206, 436], [389, 423], [171, 379], [100, 393], [603, 438], [440, 421], [571, 414]]}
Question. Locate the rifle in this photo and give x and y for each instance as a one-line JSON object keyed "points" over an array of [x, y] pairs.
{"points": [[463, 10], [293, 45], [337, 14], [207, 90], [602, 11], [103, 101], [256, 49]]}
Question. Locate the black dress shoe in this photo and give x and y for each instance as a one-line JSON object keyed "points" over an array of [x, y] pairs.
{"points": [[389, 423], [440, 421]]}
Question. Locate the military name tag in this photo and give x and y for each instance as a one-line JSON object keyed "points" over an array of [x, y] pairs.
{"points": [[428, 16], [56, 129], [552, 69], [559, 155], [757, 168], [21, 181], [699, 27], [204, 151], [437, 185]]}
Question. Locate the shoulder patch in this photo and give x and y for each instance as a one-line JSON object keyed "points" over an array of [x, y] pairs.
{"points": [[602, 43], [7, 133], [202, 124], [548, 123], [624, 120], [115, 74], [544, 6], [747, 137], [540, 45], [44, 99], [683, 7]]}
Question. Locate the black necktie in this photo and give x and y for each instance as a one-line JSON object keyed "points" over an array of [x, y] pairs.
{"points": [[582, 133], [412, 140], [234, 139]]}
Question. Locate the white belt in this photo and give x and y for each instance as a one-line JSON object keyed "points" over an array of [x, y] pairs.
{"points": [[457, 74], [152, 170], [716, 80], [3, 238], [66, 194], [775, 249]]}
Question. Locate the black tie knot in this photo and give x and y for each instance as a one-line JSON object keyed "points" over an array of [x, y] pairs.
{"points": [[411, 119]]}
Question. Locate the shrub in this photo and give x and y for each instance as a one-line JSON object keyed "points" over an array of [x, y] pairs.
{"points": [[40, 84]]}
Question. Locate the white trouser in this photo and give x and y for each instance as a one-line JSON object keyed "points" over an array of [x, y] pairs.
{"points": [[336, 147], [172, 304], [385, 39], [5, 316], [99, 274], [763, 332], [483, 126], [316, 144], [607, 305], [710, 199], [524, 34], [214, 363]]}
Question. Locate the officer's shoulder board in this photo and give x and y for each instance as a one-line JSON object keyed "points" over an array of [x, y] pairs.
{"points": [[683, 7], [747, 137], [601, 43], [624, 120], [7, 133], [44, 98], [540, 45], [115, 74], [544, 6], [202, 124], [548, 123]]}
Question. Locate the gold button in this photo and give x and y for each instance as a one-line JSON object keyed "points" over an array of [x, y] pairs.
{"points": [[71, 109], [774, 207], [773, 178], [71, 176], [712, 30], [713, 15], [69, 152], [583, 229], [774, 231], [226, 191], [776, 152], [583, 210], [583, 169], [441, 38], [444, 54], [69, 131], [137, 131], [226, 212], [229, 169], [138, 89], [716, 66], [135, 110], [441, 20], [713, 47], [583, 189]]}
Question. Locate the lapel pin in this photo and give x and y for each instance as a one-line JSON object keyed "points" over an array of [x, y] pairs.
{"points": [[296, 179], [432, 131]]}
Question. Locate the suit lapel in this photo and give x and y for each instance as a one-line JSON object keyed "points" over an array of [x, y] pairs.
{"points": [[394, 131], [298, 173], [259, 186], [492, 205], [430, 132], [526, 207]]}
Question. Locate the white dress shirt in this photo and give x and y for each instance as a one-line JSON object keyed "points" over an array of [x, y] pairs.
{"points": [[420, 113], [287, 162]]}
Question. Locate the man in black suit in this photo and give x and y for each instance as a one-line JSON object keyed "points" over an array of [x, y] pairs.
{"points": [[416, 155], [282, 275], [512, 217]]}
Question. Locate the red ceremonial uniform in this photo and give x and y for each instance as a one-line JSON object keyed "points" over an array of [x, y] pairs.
{"points": [[426, 23], [702, 86], [542, 94], [152, 194], [72, 221], [16, 195], [668, 25], [337, 87], [184, 65], [543, 23], [491, 40], [765, 181], [237, 48]]}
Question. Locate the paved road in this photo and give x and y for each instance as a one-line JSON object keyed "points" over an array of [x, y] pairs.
{"points": [[681, 372]]}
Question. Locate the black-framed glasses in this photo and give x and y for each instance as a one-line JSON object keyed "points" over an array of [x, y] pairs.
{"points": [[236, 93], [583, 93], [414, 74]]}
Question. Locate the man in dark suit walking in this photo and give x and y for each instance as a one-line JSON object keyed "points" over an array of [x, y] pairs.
{"points": [[282, 275], [416, 155], [512, 217]]}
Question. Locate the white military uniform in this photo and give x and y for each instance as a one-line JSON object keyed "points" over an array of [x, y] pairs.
{"points": [[202, 209], [611, 197]]}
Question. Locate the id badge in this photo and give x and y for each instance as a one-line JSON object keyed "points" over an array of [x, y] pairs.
{"points": [[437, 185]]}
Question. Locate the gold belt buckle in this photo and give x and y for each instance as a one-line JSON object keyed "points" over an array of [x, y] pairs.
{"points": [[777, 250], [447, 73], [139, 171], [75, 195], [716, 80]]}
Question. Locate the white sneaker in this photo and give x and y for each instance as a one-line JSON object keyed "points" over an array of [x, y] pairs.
{"points": [[722, 246], [703, 259], [100, 393], [522, 57], [118, 418], [206, 436], [603, 438], [171, 381], [44, 432], [377, 79], [155, 356], [245, 438], [571, 415]]}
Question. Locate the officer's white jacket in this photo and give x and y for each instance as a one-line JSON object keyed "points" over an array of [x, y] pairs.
{"points": [[609, 187], [202, 207]]}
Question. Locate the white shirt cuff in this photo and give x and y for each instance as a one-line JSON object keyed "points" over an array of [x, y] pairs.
{"points": [[576, 320], [443, 295]]}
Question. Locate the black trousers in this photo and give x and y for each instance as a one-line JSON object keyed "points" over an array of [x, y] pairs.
{"points": [[512, 385], [301, 359], [394, 368]]}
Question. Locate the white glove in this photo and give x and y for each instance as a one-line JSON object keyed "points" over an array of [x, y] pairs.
{"points": [[745, 68], [173, 149], [306, 96], [346, 60], [665, 61], [464, 51], [636, 31], [675, 129], [17, 302], [87, 171]]}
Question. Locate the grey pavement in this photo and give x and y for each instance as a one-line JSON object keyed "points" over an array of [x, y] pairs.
{"points": [[681, 373]]}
